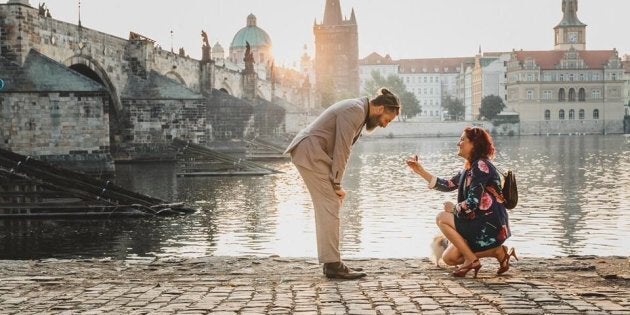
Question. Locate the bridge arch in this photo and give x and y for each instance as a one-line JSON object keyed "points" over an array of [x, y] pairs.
{"points": [[89, 67], [225, 87], [176, 76]]}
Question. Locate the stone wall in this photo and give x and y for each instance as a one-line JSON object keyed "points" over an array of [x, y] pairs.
{"points": [[586, 126], [160, 121], [54, 123]]}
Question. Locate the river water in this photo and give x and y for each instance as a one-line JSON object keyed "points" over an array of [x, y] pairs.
{"points": [[574, 198]]}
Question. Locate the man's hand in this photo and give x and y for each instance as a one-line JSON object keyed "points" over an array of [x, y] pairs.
{"points": [[341, 193]]}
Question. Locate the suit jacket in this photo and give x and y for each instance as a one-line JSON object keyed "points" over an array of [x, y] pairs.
{"points": [[324, 146]]}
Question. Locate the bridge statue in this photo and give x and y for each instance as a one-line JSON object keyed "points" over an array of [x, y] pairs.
{"points": [[205, 49], [248, 59]]}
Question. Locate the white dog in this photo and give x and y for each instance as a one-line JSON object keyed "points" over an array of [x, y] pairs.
{"points": [[438, 246]]}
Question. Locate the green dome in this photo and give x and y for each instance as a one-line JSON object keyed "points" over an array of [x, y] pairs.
{"points": [[251, 33]]}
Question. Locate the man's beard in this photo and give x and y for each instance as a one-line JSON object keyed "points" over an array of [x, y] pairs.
{"points": [[372, 122]]}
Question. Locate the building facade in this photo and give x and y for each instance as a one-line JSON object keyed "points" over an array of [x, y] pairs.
{"points": [[569, 89], [429, 79], [336, 53]]}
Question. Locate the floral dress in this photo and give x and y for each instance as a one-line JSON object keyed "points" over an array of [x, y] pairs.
{"points": [[480, 216]]}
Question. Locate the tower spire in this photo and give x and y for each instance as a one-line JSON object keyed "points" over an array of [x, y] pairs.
{"points": [[332, 13], [569, 10]]}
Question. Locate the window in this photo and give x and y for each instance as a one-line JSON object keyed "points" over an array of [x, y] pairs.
{"points": [[581, 113], [581, 76], [561, 77], [596, 94], [613, 76], [547, 94], [596, 114], [596, 77], [425, 79], [571, 77], [582, 95], [547, 114], [561, 114], [561, 96], [571, 114], [530, 94], [571, 95], [530, 77]]}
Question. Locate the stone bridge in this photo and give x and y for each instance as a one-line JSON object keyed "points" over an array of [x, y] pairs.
{"points": [[152, 95]]}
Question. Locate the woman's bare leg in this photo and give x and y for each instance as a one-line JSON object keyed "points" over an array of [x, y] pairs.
{"points": [[446, 222]]}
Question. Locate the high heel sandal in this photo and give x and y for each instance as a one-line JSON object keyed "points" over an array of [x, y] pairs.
{"points": [[462, 271], [504, 265]]}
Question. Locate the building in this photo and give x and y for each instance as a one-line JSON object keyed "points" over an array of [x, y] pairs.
{"points": [[336, 54], [429, 79], [488, 78], [260, 47], [626, 67], [568, 89]]}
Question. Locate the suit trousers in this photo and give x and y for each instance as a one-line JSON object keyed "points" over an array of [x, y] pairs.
{"points": [[326, 204]]}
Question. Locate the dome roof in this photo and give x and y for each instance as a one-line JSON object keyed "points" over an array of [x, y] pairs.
{"points": [[217, 47], [251, 33]]}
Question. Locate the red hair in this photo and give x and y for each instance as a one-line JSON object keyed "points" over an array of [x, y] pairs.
{"points": [[483, 148]]}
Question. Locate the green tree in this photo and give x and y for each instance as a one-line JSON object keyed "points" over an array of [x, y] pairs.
{"points": [[454, 107], [410, 104], [491, 106]]}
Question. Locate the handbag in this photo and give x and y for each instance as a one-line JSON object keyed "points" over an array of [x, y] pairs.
{"points": [[509, 191]]}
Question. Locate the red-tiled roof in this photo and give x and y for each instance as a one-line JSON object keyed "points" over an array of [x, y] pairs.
{"points": [[548, 59]]}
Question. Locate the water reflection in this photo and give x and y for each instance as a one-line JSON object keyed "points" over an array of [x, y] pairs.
{"points": [[573, 200]]}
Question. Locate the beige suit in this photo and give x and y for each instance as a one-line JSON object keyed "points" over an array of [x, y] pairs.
{"points": [[320, 152]]}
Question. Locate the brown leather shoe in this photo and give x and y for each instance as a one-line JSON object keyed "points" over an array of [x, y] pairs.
{"points": [[338, 270]]}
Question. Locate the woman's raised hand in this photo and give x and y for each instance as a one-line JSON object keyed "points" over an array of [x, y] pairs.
{"points": [[414, 163]]}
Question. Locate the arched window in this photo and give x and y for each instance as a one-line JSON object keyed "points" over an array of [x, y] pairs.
{"points": [[582, 95], [561, 96], [547, 114], [571, 95], [596, 114], [561, 114], [571, 114], [581, 113]]}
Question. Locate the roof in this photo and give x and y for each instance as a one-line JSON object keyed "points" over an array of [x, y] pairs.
{"points": [[157, 86], [570, 7], [42, 74], [251, 33], [376, 59], [548, 59], [430, 65]]}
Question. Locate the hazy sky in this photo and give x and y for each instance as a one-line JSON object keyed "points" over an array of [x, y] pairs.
{"points": [[402, 28]]}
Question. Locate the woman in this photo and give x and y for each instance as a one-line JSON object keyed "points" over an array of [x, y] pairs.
{"points": [[478, 224]]}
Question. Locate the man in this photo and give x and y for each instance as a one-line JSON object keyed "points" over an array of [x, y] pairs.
{"points": [[320, 153]]}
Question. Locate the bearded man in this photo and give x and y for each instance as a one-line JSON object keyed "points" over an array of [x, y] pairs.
{"points": [[320, 153]]}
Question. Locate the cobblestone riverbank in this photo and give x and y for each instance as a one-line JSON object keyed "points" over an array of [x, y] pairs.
{"points": [[275, 285]]}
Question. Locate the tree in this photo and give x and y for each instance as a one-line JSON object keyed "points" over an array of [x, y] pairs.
{"points": [[454, 107], [410, 104], [491, 106]]}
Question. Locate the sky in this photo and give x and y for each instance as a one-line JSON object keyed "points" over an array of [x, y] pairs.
{"points": [[401, 28]]}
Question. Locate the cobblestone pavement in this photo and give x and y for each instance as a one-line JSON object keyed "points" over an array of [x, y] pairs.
{"points": [[273, 285]]}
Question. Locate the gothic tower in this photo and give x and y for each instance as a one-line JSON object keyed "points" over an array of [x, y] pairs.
{"points": [[336, 55], [570, 32]]}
